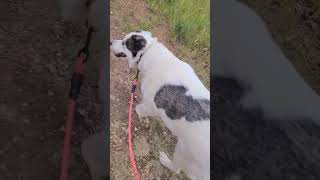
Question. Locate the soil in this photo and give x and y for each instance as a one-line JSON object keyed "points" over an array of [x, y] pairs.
{"points": [[37, 57]]}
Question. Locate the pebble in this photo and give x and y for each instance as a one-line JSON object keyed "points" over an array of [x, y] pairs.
{"points": [[4, 167], [23, 156], [50, 93], [15, 139], [61, 128], [112, 97], [53, 109], [51, 68], [61, 73], [82, 112], [27, 121], [147, 122], [24, 104], [36, 60]]}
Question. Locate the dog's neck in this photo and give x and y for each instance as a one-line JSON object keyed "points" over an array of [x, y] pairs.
{"points": [[145, 50]]}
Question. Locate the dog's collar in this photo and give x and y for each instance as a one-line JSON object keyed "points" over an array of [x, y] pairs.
{"points": [[144, 53], [139, 59]]}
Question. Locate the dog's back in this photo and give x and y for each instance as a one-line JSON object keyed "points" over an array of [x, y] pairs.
{"points": [[183, 103], [244, 49]]}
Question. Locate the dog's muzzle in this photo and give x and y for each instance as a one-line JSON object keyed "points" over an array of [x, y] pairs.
{"points": [[120, 55]]}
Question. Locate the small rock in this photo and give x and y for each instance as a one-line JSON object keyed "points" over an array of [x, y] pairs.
{"points": [[61, 128], [25, 104], [82, 112], [112, 97], [53, 109], [51, 68], [50, 93], [15, 139], [61, 73], [36, 60], [27, 121], [147, 122], [42, 138], [22, 156], [4, 167], [135, 129]]}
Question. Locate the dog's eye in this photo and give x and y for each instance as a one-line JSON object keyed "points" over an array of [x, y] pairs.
{"points": [[122, 43]]}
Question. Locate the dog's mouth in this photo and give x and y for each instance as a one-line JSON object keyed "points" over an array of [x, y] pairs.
{"points": [[120, 55]]}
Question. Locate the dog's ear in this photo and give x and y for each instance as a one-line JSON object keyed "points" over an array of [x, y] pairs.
{"points": [[136, 43]]}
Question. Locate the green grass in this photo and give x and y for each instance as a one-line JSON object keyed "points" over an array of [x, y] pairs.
{"points": [[143, 24], [189, 21]]}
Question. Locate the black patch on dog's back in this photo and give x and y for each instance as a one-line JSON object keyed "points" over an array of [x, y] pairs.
{"points": [[255, 146], [135, 43], [177, 104]]}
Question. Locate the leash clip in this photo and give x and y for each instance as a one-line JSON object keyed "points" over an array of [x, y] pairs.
{"points": [[137, 76], [135, 82], [85, 50]]}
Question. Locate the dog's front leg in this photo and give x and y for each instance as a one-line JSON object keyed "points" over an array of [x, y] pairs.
{"points": [[177, 159], [143, 111]]}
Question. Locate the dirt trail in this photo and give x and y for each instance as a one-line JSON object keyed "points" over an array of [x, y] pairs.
{"points": [[38, 50], [150, 136]]}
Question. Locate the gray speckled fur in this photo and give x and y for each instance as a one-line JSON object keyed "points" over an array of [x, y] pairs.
{"points": [[177, 104]]}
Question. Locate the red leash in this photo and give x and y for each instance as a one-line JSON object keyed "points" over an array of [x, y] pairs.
{"points": [[133, 164], [76, 83]]}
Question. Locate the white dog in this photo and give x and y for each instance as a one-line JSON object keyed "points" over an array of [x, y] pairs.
{"points": [[171, 90]]}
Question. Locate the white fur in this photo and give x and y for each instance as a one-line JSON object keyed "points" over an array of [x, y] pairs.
{"points": [[244, 49], [158, 66]]}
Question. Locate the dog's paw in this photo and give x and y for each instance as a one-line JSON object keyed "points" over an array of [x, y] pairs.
{"points": [[165, 160], [140, 111]]}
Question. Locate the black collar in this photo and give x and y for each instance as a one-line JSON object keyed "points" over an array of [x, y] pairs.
{"points": [[143, 54], [137, 75], [139, 59]]}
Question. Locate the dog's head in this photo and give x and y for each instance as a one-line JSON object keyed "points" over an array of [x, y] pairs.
{"points": [[132, 46]]}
